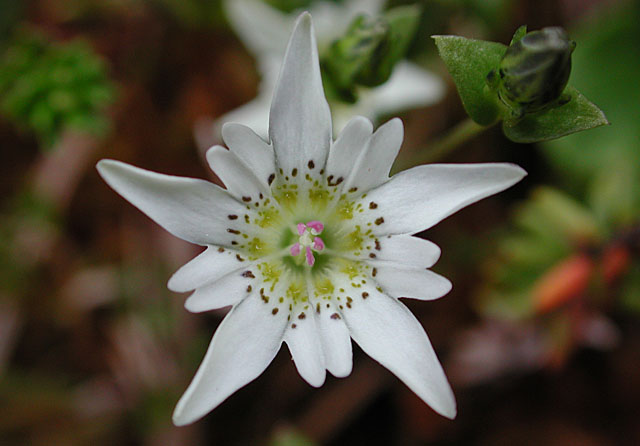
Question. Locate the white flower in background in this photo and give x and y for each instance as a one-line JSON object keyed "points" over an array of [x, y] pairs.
{"points": [[265, 31], [310, 243]]}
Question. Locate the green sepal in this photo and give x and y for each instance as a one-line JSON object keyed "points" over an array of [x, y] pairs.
{"points": [[469, 61], [574, 115], [519, 34]]}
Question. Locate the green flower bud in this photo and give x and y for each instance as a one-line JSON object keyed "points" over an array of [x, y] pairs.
{"points": [[534, 71], [368, 51], [348, 56]]}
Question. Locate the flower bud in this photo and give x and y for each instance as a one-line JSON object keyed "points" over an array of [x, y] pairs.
{"points": [[368, 51], [534, 71], [349, 56]]}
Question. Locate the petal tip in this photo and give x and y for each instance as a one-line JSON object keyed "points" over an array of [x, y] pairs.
{"points": [[191, 305], [316, 381], [450, 413], [304, 27], [104, 165], [213, 150], [342, 372], [173, 285], [179, 417], [305, 17], [447, 286], [517, 171]]}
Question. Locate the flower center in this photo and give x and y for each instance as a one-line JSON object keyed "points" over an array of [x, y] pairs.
{"points": [[308, 241]]}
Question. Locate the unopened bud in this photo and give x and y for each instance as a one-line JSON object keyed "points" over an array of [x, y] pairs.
{"points": [[368, 51], [534, 71], [349, 56]]}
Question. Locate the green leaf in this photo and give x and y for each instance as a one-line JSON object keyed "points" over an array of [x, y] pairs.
{"points": [[469, 61], [574, 116], [605, 162], [613, 194], [571, 218]]}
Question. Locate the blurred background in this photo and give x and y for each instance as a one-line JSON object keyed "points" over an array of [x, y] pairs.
{"points": [[539, 337]]}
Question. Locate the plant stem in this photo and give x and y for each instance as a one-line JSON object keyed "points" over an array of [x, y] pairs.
{"points": [[442, 147]]}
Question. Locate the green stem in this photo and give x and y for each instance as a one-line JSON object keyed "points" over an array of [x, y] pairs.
{"points": [[442, 147], [458, 135]]}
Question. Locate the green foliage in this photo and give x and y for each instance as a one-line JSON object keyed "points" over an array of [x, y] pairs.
{"points": [[48, 87], [546, 229], [521, 85], [10, 13], [606, 162], [26, 213], [289, 436], [367, 53]]}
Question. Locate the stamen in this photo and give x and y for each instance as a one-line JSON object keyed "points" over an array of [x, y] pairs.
{"points": [[295, 249], [318, 244], [310, 258], [316, 226]]}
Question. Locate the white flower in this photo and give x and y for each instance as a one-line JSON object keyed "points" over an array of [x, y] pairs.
{"points": [[310, 243], [265, 31]]}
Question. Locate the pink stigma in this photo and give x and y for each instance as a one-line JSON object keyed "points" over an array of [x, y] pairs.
{"points": [[318, 244], [301, 228]]}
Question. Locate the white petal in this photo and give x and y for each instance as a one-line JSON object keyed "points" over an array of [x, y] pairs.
{"points": [[250, 148], [332, 19], [306, 348], [404, 251], [300, 121], [228, 290], [192, 209], [374, 163], [411, 282], [243, 346], [370, 7], [387, 331], [418, 198], [348, 147], [241, 182], [208, 266], [336, 344], [408, 87], [261, 27]]}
